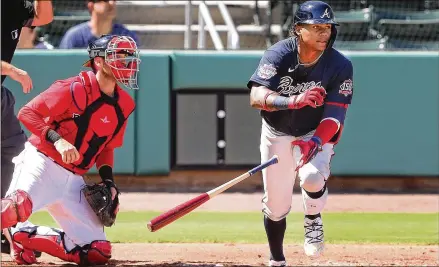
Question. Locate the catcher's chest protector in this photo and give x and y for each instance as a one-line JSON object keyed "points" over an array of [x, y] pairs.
{"points": [[96, 117]]}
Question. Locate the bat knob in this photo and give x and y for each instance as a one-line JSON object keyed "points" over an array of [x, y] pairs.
{"points": [[149, 225]]}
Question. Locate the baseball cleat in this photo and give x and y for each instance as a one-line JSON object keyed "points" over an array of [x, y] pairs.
{"points": [[277, 263], [314, 241]]}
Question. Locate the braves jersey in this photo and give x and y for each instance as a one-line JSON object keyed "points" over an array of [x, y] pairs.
{"points": [[279, 71], [81, 114]]}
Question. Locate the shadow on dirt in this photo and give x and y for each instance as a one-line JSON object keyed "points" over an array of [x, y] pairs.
{"points": [[114, 263], [118, 263]]}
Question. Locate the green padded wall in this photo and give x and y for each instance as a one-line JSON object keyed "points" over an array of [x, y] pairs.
{"points": [[392, 125], [152, 139], [45, 66]]}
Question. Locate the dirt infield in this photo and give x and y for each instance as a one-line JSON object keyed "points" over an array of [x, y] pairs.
{"points": [[256, 254]]}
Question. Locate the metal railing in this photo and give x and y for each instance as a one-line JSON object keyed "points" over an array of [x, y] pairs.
{"points": [[188, 24], [232, 33], [205, 21]]}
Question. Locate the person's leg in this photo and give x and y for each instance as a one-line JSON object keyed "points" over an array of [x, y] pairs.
{"points": [[13, 138], [80, 239], [12, 143], [37, 182], [278, 189], [313, 177]]}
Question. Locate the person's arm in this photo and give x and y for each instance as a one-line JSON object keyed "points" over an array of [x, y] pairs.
{"points": [[263, 98], [7, 68], [17, 75], [40, 13], [105, 160], [264, 82], [105, 163], [339, 97], [51, 102]]}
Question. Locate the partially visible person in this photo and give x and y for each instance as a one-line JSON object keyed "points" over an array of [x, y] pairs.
{"points": [[29, 39], [76, 123], [103, 14], [16, 16]]}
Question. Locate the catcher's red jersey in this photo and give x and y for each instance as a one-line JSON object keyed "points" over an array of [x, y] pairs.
{"points": [[83, 115]]}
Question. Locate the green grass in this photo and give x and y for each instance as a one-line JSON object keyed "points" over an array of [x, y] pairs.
{"points": [[222, 227]]}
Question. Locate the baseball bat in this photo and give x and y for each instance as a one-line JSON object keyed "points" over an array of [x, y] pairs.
{"points": [[188, 206]]}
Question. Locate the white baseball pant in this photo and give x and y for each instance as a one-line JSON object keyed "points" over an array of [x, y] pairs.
{"points": [[58, 190], [279, 178]]}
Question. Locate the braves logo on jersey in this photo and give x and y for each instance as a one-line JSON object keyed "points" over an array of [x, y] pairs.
{"points": [[287, 88]]}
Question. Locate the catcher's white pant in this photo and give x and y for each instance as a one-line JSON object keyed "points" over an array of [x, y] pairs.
{"points": [[59, 191], [279, 178]]}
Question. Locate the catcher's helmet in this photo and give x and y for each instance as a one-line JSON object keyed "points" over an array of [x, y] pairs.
{"points": [[316, 12], [121, 54]]}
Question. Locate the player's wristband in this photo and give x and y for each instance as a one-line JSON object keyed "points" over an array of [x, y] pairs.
{"points": [[264, 103], [106, 173], [281, 102], [52, 136], [317, 140]]}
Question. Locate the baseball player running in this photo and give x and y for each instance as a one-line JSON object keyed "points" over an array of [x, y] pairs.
{"points": [[303, 87], [75, 123]]}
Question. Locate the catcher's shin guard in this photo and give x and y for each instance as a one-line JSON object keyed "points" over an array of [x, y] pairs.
{"points": [[21, 255], [96, 253], [16, 208]]}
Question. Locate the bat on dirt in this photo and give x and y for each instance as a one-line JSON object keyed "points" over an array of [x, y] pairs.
{"points": [[188, 206]]}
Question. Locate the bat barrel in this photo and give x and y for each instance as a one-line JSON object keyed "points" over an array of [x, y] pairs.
{"points": [[188, 206], [177, 212]]}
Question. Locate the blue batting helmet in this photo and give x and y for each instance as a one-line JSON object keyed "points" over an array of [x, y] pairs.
{"points": [[316, 12]]}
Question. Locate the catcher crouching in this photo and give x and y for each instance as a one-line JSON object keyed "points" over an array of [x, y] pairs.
{"points": [[75, 124]]}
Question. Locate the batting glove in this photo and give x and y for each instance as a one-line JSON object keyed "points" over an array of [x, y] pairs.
{"points": [[308, 149], [313, 97]]}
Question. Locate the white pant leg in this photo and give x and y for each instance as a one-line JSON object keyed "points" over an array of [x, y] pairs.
{"points": [[278, 178], [39, 176], [313, 177], [75, 216], [59, 190]]}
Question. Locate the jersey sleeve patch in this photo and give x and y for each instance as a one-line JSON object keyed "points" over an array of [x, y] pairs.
{"points": [[346, 88], [266, 71]]}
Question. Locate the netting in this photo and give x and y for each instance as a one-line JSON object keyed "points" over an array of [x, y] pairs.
{"points": [[377, 24], [365, 24]]}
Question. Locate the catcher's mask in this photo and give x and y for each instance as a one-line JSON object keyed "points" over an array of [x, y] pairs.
{"points": [[121, 54], [316, 12]]}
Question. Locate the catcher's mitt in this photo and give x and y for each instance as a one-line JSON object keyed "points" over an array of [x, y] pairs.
{"points": [[100, 200]]}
